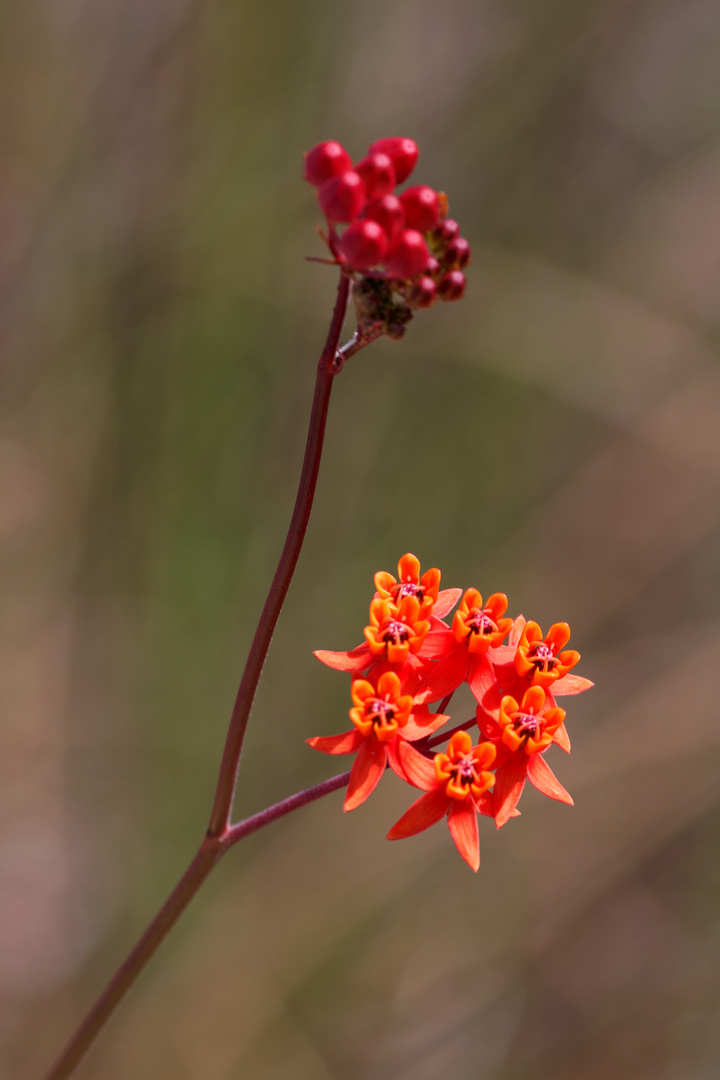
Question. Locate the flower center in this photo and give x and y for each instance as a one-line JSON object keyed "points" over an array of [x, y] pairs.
{"points": [[526, 724], [381, 712], [408, 589], [542, 657], [465, 772], [396, 632], [480, 623]]}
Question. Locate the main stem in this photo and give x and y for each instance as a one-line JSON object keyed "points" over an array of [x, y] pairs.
{"points": [[220, 835], [328, 366]]}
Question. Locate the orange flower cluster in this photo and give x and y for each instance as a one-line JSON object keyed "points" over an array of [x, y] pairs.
{"points": [[412, 657]]}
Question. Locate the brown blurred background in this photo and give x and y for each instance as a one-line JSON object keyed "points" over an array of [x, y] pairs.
{"points": [[556, 435]]}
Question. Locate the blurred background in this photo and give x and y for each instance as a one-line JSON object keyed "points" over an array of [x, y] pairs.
{"points": [[556, 435]]}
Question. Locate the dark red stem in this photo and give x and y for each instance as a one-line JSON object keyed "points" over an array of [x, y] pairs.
{"points": [[328, 366]]}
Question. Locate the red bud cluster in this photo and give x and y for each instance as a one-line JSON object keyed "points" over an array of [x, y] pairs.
{"points": [[402, 251]]}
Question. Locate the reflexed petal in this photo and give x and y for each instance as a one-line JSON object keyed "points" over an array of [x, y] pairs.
{"points": [[423, 813], [446, 601], [544, 779], [421, 723], [562, 739], [367, 769], [437, 641], [509, 783], [355, 660], [462, 822], [516, 632], [483, 683], [570, 684], [347, 743], [441, 677], [419, 770]]}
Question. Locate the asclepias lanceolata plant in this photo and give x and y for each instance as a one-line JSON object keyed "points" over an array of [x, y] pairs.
{"points": [[396, 254]]}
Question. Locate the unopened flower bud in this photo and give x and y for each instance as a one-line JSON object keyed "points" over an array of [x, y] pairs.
{"points": [[423, 293], [378, 175], [408, 254], [388, 212], [403, 153], [451, 286], [342, 197], [325, 160], [443, 233], [364, 244], [457, 254], [422, 207]]}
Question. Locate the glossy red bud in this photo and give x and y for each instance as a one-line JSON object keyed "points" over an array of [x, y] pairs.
{"points": [[422, 207], [325, 160], [433, 266], [378, 175], [364, 244], [446, 231], [423, 293], [342, 197], [456, 254], [451, 285], [408, 254], [402, 152], [388, 212]]}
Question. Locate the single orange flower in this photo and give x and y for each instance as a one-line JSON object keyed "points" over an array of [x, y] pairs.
{"points": [[541, 659], [383, 716], [409, 583], [524, 732], [457, 784], [481, 627], [398, 629]]}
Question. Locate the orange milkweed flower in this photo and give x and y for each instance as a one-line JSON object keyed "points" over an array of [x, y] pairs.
{"points": [[398, 629], [383, 716], [457, 785], [409, 583], [541, 658], [523, 733], [461, 654]]}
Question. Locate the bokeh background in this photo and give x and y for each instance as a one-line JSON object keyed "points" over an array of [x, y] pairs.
{"points": [[556, 435]]}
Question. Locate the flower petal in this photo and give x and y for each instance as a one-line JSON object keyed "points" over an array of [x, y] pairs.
{"points": [[355, 660], [544, 779], [570, 684], [368, 767], [509, 783], [347, 743], [483, 683], [441, 677], [421, 723], [562, 738], [418, 769], [462, 822], [424, 812], [516, 632], [446, 601]]}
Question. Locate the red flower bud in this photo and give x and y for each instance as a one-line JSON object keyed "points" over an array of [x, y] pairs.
{"points": [[422, 207], [408, 255], [364, 244], [433, 266], [325, 160], [423, 293], [451, 286], [402, 152], [457, 254], [446, 231], [378, 175], [388, 212], [342, 197]]}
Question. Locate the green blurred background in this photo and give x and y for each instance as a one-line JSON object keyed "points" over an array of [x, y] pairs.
{"points": [[556, 435]]}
